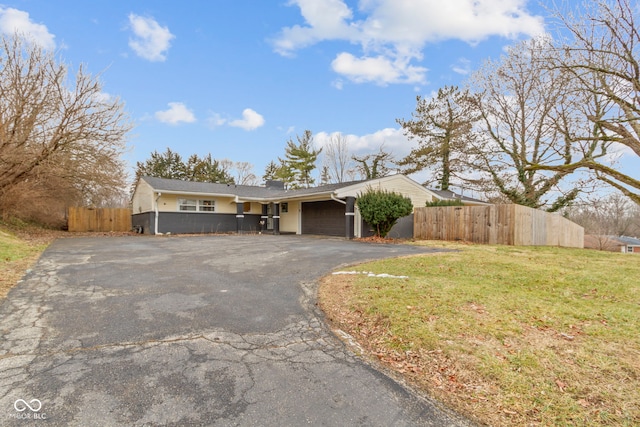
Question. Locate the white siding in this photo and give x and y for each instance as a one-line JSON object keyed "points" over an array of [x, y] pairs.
{"points": [[142, 200], [289, 220], [169, 203], [226, 205], [397, 183]]}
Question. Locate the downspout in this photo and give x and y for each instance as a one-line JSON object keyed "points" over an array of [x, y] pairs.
{"points": [[156, 216], [349, 214]]}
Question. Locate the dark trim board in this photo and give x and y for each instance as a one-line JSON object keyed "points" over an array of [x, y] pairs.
{"points": [[195, 223]]}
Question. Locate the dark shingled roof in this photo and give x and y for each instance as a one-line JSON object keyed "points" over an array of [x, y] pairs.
{"points": [[249, 191], [450, 195]]}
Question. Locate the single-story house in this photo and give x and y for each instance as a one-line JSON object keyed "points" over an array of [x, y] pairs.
{"points": [[624, 244], [173, 206], [450, 195]]}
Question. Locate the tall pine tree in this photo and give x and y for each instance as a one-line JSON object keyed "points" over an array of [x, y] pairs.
{"points": [[300, 159], [443, 126]]}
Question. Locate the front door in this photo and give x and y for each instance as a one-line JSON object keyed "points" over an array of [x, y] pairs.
{"points": [[270, 217]]}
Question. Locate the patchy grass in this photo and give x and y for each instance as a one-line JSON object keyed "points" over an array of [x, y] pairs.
{"points": [[20, 247], [504, 335], [21, 244]]}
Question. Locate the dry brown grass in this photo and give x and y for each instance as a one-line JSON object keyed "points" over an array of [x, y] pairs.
{"points": [[506, 336]]}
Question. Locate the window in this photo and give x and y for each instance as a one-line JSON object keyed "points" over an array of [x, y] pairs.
{"points": [[187, 205], [192, 205], [207, 205], [284, 207]]}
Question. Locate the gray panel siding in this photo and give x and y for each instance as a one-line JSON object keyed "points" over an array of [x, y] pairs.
{"points": [[195, 223], [402, 230], [323, 218], [144, 220]]}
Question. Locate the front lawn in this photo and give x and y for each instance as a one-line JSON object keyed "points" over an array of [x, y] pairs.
{"points": [[505, 335], [20, 247]]}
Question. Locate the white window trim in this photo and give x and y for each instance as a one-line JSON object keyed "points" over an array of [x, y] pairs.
{"points": [[199, 205]]}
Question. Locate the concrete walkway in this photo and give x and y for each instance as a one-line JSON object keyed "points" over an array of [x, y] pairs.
{"points": [[202, 330]]}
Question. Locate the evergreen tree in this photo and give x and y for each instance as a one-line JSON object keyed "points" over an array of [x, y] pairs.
{"points": [[443, 126], [300, 160], [170, 165], [325, 176], [162, 165], [286, 175], [207, 169], [270, 172]]}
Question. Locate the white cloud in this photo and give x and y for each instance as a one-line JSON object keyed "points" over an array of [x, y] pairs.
{"points": [[392, 33], [214, 120], [338, 84], [326, 20], [16, 21], [250, 120], [177, 113], [390, 139], [462, 66], [381, 70], [151, 41]]}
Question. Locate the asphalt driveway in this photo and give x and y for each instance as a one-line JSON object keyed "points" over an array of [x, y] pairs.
{"points": [[202, 330]]}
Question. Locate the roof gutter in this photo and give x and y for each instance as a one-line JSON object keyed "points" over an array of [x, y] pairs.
{"points": [[334, 198]]}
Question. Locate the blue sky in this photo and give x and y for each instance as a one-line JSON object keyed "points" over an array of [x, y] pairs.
{"points": [[238, 78]]}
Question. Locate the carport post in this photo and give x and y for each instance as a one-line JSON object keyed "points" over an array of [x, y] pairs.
{"points": [[276, 218], [350, 215], [239, 216], [264, 218]]}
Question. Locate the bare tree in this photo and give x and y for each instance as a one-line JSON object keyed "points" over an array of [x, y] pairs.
{"points": [[244, 173], [606, 217], [520, 104], [376, 165], [61, 140], [337, 159], [603, 59]]}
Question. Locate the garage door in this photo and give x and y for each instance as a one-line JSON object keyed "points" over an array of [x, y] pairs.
{"points": [[324, 218]]}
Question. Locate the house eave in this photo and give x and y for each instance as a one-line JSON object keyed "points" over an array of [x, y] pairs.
{"points": [[279, 198], [190, 193]]}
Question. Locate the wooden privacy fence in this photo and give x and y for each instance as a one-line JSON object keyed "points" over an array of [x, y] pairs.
{"points": [[497, 224], [99, 219]]}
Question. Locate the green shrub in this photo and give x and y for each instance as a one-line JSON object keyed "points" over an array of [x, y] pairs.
{"points": [[439, 203], [382, 209]]}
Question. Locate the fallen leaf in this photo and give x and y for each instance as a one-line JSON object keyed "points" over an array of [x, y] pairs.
{"points": [[567, 336], [560, 385], [583, 403]]}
